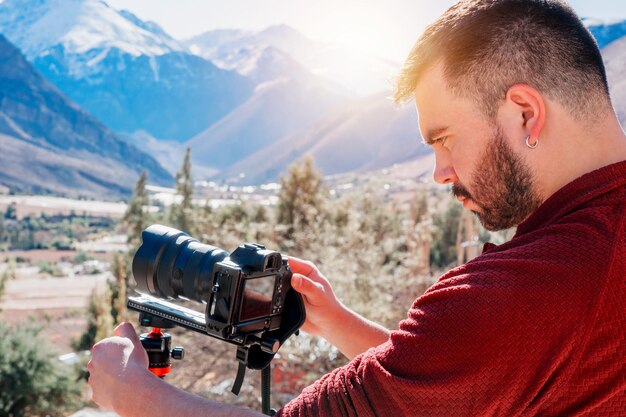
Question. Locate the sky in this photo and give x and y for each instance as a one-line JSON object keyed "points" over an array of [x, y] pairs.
{"points": [[387, 28]]}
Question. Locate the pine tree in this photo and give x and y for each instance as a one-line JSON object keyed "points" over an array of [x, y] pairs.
{"points": [[1, 230], [181, 214], [11, 213], [3, 281], [119, 288], [8, 274], [135, 217], [99, 320], [302, 197]]}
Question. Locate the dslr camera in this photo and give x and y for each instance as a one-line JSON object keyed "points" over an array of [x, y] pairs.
{"points": [[246, 296]]}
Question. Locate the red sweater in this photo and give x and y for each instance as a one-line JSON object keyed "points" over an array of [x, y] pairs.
{"points": [[533, 327]]}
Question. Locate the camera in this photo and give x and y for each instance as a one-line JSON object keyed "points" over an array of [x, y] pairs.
{"points": [[246, 295]]}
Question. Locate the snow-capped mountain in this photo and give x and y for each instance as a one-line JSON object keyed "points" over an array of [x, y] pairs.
{"points": [[49, 144], [80, 26], [128, 73], [606, 32], [240, 50], [615, 61], [611, 38]]}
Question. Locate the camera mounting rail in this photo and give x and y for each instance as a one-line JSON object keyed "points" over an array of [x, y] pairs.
{"points": [[253, 352], [192, 320]]}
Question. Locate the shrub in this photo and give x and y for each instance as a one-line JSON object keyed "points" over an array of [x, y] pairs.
{"points": [[32, 380]]}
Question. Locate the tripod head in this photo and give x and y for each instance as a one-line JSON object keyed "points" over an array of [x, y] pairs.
{"points": [[157, 345]]}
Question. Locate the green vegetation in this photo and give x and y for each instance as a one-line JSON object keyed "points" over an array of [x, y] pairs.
{"points": [[33, 382], [50, 268], [181, 213], [9, 273], [135, 217], [99, 321], [379, 255], [48, 232]]}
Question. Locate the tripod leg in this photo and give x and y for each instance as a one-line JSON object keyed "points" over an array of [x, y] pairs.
{"points": [[266, 382]]}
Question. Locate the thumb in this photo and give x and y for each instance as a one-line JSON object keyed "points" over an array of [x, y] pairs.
{"points": [[311, 290], [128, 331]]}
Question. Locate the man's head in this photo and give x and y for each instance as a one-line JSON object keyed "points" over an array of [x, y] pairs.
{"points": [[486, 46], [492, 76]]}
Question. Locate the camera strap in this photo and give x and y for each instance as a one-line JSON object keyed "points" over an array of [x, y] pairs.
{"points": [[266, 380], [242, 357], [241, 375]]}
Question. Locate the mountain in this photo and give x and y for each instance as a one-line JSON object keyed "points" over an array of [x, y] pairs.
{"points": [[49, 144], [128, 73], [356, 72], [611, 37], [615, 62], [605, 32], [370, 134], [79, 26], [276, 109], [262, 64]]}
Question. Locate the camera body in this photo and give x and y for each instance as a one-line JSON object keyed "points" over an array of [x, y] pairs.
{"points": [[247, 294]]}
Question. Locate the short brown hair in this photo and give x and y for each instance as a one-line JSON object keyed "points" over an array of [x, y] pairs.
{"points": [[486, 46]]}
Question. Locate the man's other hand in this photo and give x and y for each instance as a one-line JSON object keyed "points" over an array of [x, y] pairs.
{"points": [[116, 363]]}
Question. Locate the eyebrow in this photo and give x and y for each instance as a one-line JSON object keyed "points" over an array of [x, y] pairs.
{"points": [[432, 135]]}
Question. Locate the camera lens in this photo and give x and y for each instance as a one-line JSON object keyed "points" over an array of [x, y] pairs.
{"points": [[171, 264]]}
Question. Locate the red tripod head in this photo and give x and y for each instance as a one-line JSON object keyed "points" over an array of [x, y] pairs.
{"points": [[157, 344]]}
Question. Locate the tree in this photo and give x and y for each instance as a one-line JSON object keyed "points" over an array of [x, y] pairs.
{"points": [[302, 197], [32, 380], [181, 214], [8, 274], [99, 320], [11, 212], [1, 229], [119, 287], [135, 217], [446, 224]]}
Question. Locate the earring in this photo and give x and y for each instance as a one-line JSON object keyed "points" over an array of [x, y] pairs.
{"points": [[534, 145]]}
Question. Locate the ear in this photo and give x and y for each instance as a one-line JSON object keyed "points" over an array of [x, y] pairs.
{"points": [[524, 111]]}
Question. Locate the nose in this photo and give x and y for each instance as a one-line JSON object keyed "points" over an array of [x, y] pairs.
{"points": [[444, 172]]}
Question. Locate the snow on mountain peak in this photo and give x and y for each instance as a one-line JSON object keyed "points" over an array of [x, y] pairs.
{"points": [[79, 26]]}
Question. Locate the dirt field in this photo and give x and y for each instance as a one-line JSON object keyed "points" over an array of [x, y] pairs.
{"points": [[37, 205], [57, 304]]}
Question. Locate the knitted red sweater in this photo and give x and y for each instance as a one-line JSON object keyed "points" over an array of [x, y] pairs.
{"points": [[533, 327]]}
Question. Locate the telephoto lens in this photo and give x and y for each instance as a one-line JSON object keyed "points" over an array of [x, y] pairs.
{"points": [[171, 264]]}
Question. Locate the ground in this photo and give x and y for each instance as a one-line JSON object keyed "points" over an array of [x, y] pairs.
{"points": [[58, 304]]}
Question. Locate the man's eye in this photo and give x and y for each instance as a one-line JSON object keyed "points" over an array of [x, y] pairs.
{"points": [[442, 140]]}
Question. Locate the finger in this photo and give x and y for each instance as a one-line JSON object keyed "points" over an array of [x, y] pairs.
{"points": [[128, 331], [300, 266], [311, 290]]}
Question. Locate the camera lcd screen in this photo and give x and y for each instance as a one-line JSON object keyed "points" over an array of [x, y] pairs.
{"points": [[257, 298]]}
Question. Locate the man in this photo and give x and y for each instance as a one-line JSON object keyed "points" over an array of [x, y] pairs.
{"points": [[513, 98]]}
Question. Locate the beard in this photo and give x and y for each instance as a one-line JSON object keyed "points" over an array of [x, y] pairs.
{"points": [[502, 186]]}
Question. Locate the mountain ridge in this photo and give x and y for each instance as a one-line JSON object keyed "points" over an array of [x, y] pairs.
{"points": [[39, 124], [128, 73], [356, 72]]}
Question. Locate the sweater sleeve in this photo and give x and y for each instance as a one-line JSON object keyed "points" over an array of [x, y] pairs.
{"points": [[531, 328], [471, 345]]}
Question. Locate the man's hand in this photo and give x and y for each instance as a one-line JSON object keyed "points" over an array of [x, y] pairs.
{"points": [[116, 363], [121, 381], [326, 316], [322, 306]]}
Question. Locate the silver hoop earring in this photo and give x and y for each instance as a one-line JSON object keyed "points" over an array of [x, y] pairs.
{"points": [[534, 145]]}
